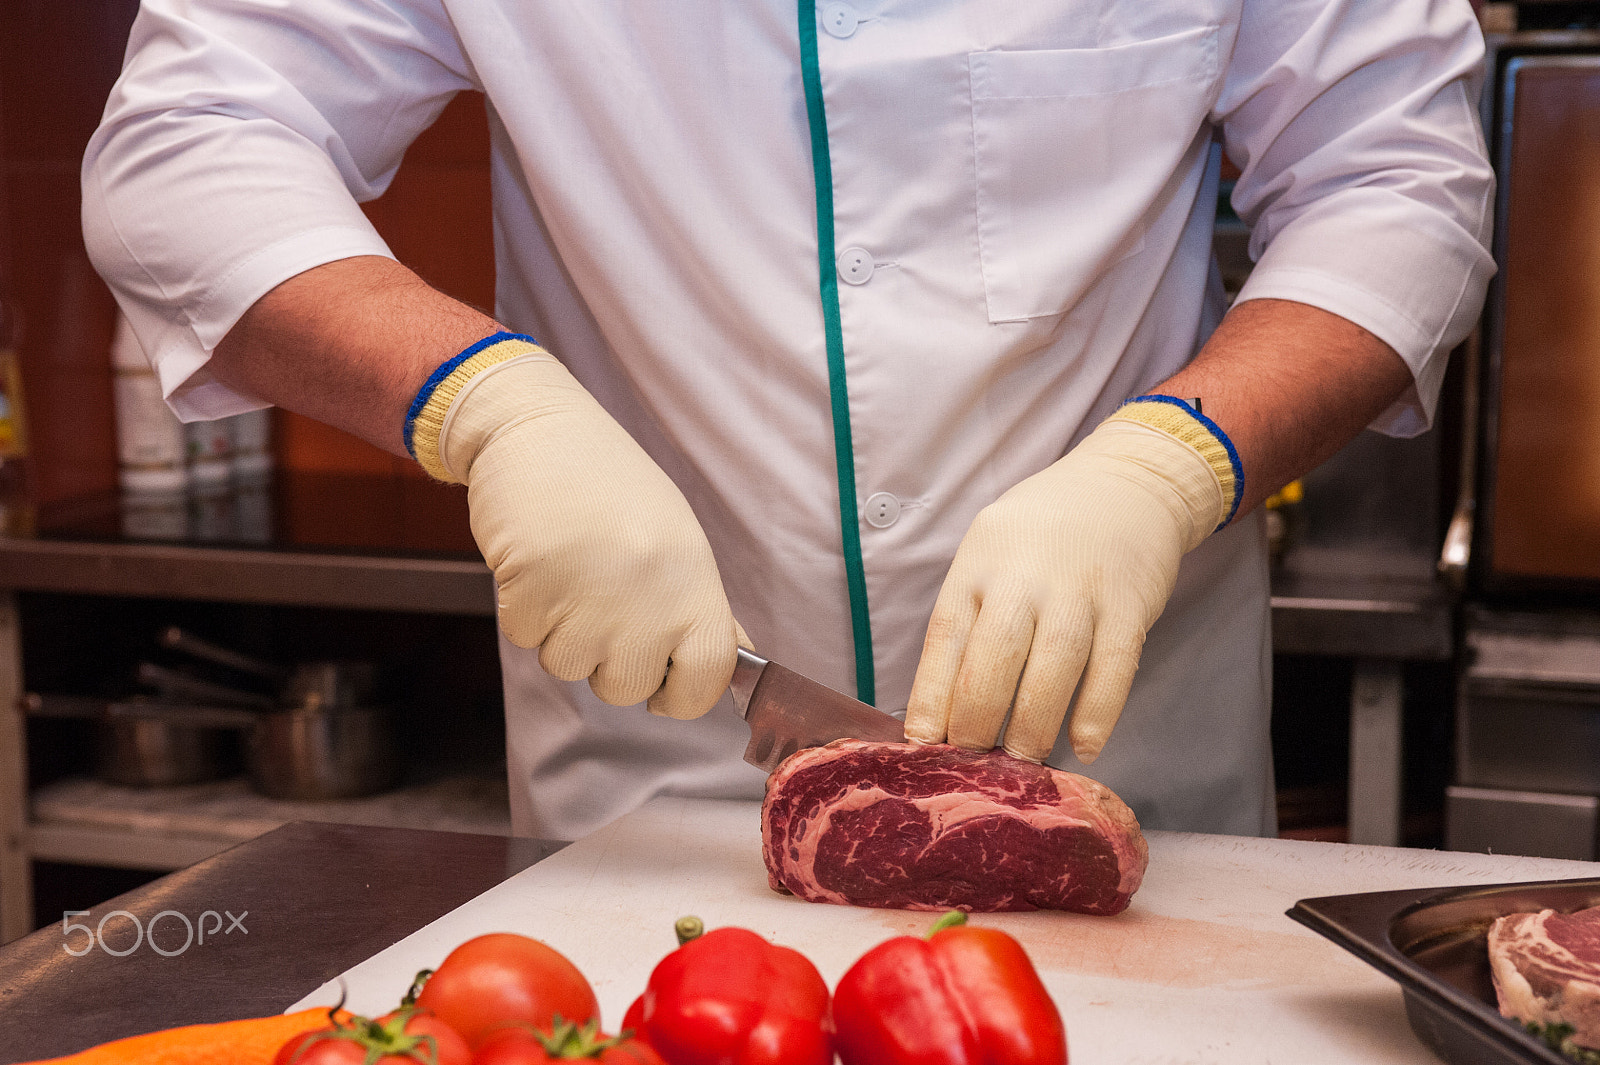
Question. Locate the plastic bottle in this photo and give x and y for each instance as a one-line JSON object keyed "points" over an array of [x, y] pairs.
{"points": [[252, 445], [151, 445], [210, 454], [16, 473]]}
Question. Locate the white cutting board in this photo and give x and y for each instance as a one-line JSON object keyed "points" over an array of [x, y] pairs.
{"points": [[1202, 969]]}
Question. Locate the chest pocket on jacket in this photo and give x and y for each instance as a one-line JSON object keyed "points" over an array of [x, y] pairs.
{"points": [[1072, 149]]}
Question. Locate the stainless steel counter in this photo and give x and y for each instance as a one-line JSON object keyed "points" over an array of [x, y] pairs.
{"points": [[312, 900]]}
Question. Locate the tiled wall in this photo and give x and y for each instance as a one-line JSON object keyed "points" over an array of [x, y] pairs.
{"points": [[57, 62], [58, 59]]}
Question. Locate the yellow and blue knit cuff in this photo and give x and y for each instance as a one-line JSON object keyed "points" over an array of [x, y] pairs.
{"points": [[1179, 419], [425, 417]]}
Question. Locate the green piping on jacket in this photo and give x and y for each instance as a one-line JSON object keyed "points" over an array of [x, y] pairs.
{"points": [[827, 272]]}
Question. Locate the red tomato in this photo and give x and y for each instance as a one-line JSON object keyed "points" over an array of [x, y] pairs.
{"points": [[448, 1046], [521, 1046], [503, 979], [405, 1037]]}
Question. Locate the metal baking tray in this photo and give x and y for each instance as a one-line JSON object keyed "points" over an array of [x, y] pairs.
{"points": [[1432, 941]]}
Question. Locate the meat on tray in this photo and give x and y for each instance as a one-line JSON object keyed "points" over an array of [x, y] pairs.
{"points": [[1546, 969], [938, 828]]}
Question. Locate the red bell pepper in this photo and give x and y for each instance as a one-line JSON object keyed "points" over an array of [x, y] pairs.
{"points": [[729, 997], [959, 996]]}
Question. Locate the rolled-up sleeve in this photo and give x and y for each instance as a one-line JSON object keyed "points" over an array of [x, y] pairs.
{"points": [[1363, 171], [232, 155]]}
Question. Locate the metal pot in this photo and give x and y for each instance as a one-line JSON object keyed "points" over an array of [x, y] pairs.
{"points": [[321, 739], [141, 744], [323, 742], [321, 752], [157, 741], [307, 752], [152, 750]]}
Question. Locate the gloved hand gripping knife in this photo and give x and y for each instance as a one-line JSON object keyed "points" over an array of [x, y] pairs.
{"points": [[1059, 579], [598, 559]]}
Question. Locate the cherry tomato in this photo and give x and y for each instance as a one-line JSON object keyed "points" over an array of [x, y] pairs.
{"points": [[504, 979], [405, 1037], [522, 1046]]}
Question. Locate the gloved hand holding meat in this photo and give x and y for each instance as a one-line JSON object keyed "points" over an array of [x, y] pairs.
{"points": [[1061, 578]]}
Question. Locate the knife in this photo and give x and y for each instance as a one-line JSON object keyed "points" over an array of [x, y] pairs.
{"points": [[786, 711]]}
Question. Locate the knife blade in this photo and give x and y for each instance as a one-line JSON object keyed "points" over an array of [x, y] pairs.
{"points": [[787, 711]]}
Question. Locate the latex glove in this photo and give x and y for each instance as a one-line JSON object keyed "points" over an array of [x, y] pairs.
{"points": [[598, 560], [1059, 580]]}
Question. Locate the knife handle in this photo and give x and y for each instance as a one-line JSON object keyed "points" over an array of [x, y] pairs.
{"points": [[746, 671]]}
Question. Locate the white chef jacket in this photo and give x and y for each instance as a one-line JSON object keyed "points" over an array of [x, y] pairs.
{"points": [[990, 226]]}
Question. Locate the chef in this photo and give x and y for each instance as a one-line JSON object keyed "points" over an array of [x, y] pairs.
{"points": [[817, 326]]}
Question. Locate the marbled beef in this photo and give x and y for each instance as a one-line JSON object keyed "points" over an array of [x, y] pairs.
{"points": [[1546, 969], [937, 828]]}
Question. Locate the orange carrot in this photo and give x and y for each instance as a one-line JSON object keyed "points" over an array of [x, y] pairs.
{"points": [[254, 1041]]}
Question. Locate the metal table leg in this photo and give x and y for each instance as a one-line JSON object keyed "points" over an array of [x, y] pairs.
{"points": [[16, 866], [1376, 692]]}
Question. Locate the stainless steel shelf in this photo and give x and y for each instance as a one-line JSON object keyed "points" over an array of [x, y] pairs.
{"points": [[1372, 618], [90, 822], [241, 575], [45, 825], [1380, 622]]}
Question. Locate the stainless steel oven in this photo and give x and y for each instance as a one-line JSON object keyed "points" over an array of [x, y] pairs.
{"points": [[1528, 724], [1538, 533]]}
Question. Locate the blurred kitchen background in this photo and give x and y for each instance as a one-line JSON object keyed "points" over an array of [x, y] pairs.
{"points": [[208, 632]]}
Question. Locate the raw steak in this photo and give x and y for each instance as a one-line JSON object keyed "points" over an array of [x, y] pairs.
{"points": [[1546, 968], [937, 828]]}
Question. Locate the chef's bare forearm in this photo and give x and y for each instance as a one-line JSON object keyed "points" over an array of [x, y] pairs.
{"points": [[348, 343], [1290, 384]]}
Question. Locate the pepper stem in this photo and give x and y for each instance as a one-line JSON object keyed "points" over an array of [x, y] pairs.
{"points": [[688, 928], [949, 919]]}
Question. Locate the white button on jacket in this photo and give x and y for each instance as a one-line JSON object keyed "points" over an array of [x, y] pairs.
{"points": [[1041, 173], [856, 266], [882, 510], [840, 20]]}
